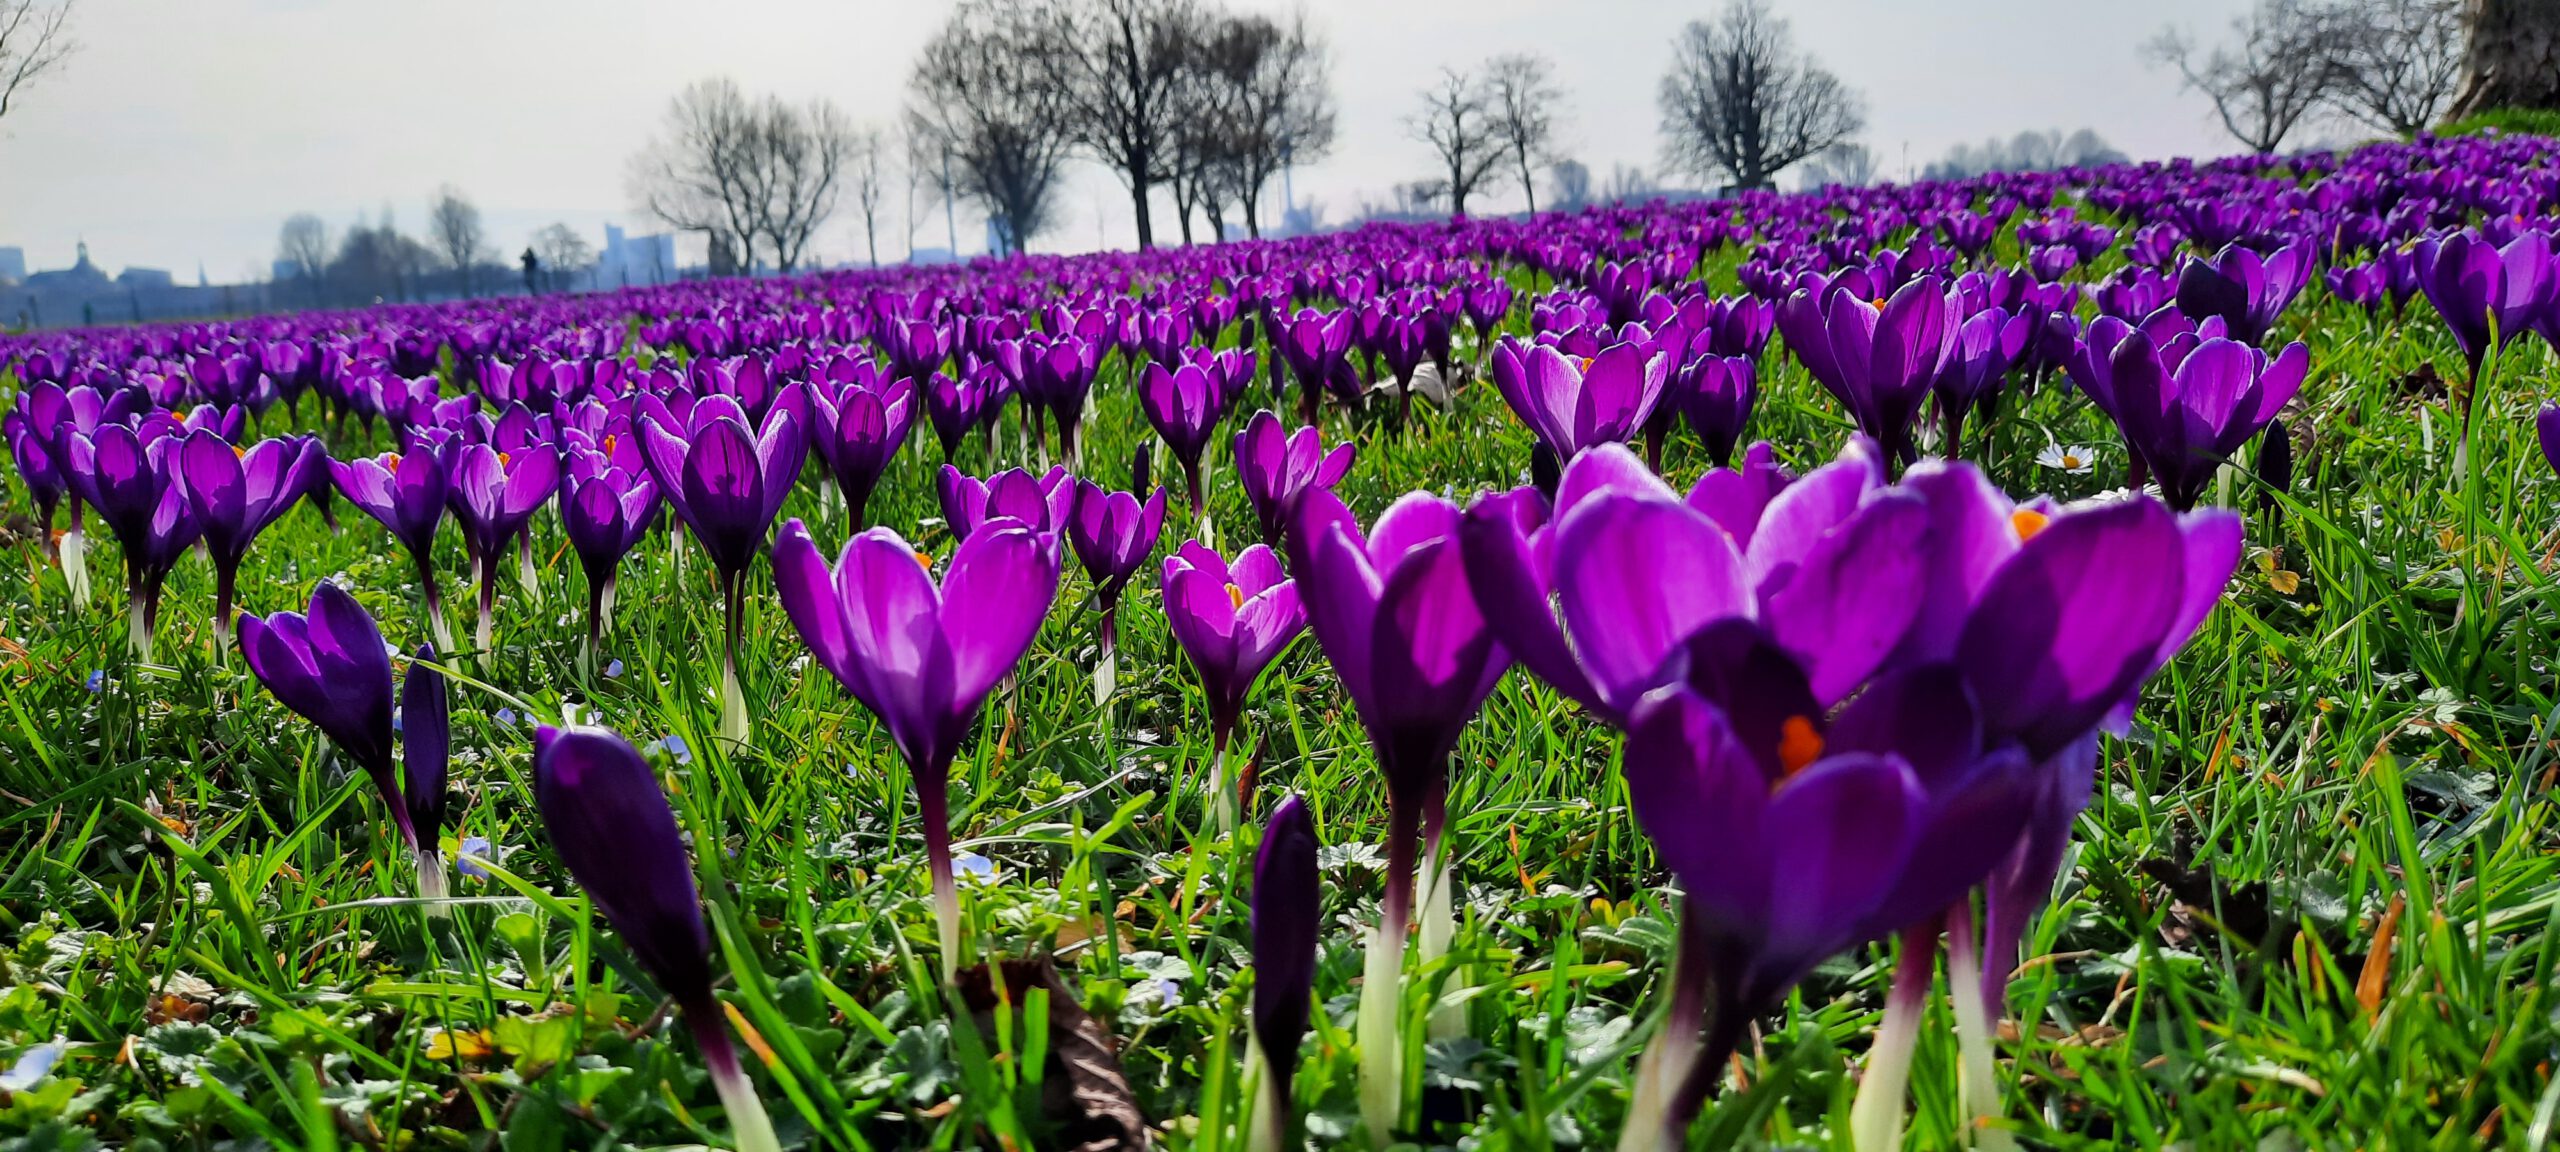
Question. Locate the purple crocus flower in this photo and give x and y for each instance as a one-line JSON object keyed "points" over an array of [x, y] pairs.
{"points": [[2488, 295], [38, 469], [605, 509], [857, 431], [405, 492], [1715, 394], [331, 668], [727, 482], [605, 817], [1317, 348], [1278, 466], [131, 478], [494, 495], [1877, 360], [1183, 405], [2546, 429], [1572, 403], [235, 494], [954, 405], [2186, 405], [426, 738], [1113, 533], [2246, 289], [1232, 620], [1985, 347], [1043, 503], [1288, 910], [1395, 618], [1058, 374], [921, 656]]}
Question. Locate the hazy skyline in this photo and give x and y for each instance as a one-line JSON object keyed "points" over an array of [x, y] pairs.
{"points": [[187, 130]]}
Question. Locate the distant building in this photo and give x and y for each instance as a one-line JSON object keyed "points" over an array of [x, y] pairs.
{"points": [[635, 261], [85, 294], [146, 279], [13, 264], [82, 278], [931, 256]]}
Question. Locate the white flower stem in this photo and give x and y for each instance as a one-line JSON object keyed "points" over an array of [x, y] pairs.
{"points": [[432, 883], [1266, 1116], [1439, 928], [1875, 1119], [75, 565], [748, 1123], [1978, 1070], [137, 624], [1222, 796], [733, 703], [1381, 1049]]}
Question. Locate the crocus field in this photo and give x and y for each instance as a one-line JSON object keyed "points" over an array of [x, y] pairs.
{"points": [[2057, 660]]}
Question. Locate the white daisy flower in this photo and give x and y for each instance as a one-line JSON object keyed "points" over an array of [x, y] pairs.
{"points": [[2069, 458]]}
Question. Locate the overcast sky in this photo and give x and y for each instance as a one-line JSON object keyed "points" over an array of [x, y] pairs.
{"points": [[186, 130]]}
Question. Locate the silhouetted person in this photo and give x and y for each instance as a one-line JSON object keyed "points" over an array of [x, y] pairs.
{"points": [[532, 271]]}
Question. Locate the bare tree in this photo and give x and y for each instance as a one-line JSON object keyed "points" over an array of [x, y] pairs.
{"points": [[981, 97], [376, 262], [1741, 102], [1458, 123], [1121, 64], [2278, 68], [1572, 185], [2513, 58], [2397, 61], [800, 156], [1521, 95], [1847, 164], [563, 255], [453, 227], [699, 176], [35, 39], [303, 243], [1262, 100], [871, 183]]}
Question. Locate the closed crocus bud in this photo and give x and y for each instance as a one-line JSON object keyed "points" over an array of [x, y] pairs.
{"points": [[2275, 458], [330, 668], [426, 732], [1287, 913], [2546, 425], [611, 827]]}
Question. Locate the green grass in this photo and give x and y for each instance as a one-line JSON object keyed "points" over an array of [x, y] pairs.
{"points": [[2512, 121], [205, 906]]}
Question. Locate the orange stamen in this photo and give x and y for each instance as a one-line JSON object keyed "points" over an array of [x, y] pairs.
{"points": [[1798, 744], [391, 463], [2026, 522], [925, 560], [1235, 596]]}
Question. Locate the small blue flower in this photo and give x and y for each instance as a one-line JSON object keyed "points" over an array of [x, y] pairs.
{"points": [[397, 725], [613, 670], [32, 1067], [472, 851], [97, 681], [506, 715], [674, 746], [974, 867]]}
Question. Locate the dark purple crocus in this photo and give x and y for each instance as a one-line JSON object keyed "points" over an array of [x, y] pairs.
{"points": [[2488, 295], [857, 431], [2188, 404], [494, 495], [2246, 289], [235, 494], [1715, 394], [2546, 429], [1277, 466], [1232, 620], [405, 492], [605, 509], [426, 745], [1977, 365], [609, 823], [954, 405], [1058, 374], [727, 482], [1571, 403], [921, 656], [1878, 361], [331, 668], [38, 470], [131, 477], [1394, 615], [1113, 534], [1042, 503], [1317, 348], [1183, 405], [1288, 912]]}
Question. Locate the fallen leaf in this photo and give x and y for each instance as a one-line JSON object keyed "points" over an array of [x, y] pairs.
{"points": [[1085, 1098]]}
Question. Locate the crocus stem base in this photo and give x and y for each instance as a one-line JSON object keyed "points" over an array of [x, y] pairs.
{"points": [[1875, 1119], [748, 1123], [1266, 1116], [75, 565], [1977, 1070], [1440, 927], [432, 883], [1222, 796], [1376, 1031]]}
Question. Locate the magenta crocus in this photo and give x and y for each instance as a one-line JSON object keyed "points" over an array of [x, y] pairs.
{"points": [[1571, 403], [1317, 348], [857, 430], [1042, 503], [1277, 466], [1714, 394], [1395, 618], [1232, 620], [611, 827], [1113, 533], [2247, 289], [235, 494], [2186, 405], [331, 668], [2488, 294], [1976, 367], [1183, 405], [605, 509], [131, 476], [1877, 360], [494, 495], [426, 752], [405, 492], [2546, 430], [727, 481], [922, 655]]}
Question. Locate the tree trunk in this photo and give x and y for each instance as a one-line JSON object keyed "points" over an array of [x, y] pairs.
{"points": [[1139, 188], [2514, 58]]}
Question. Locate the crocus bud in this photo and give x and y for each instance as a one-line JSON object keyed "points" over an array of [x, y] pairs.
{"points": [[2275, 462], [611, 826], [425, 743], [1286, 914]]}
